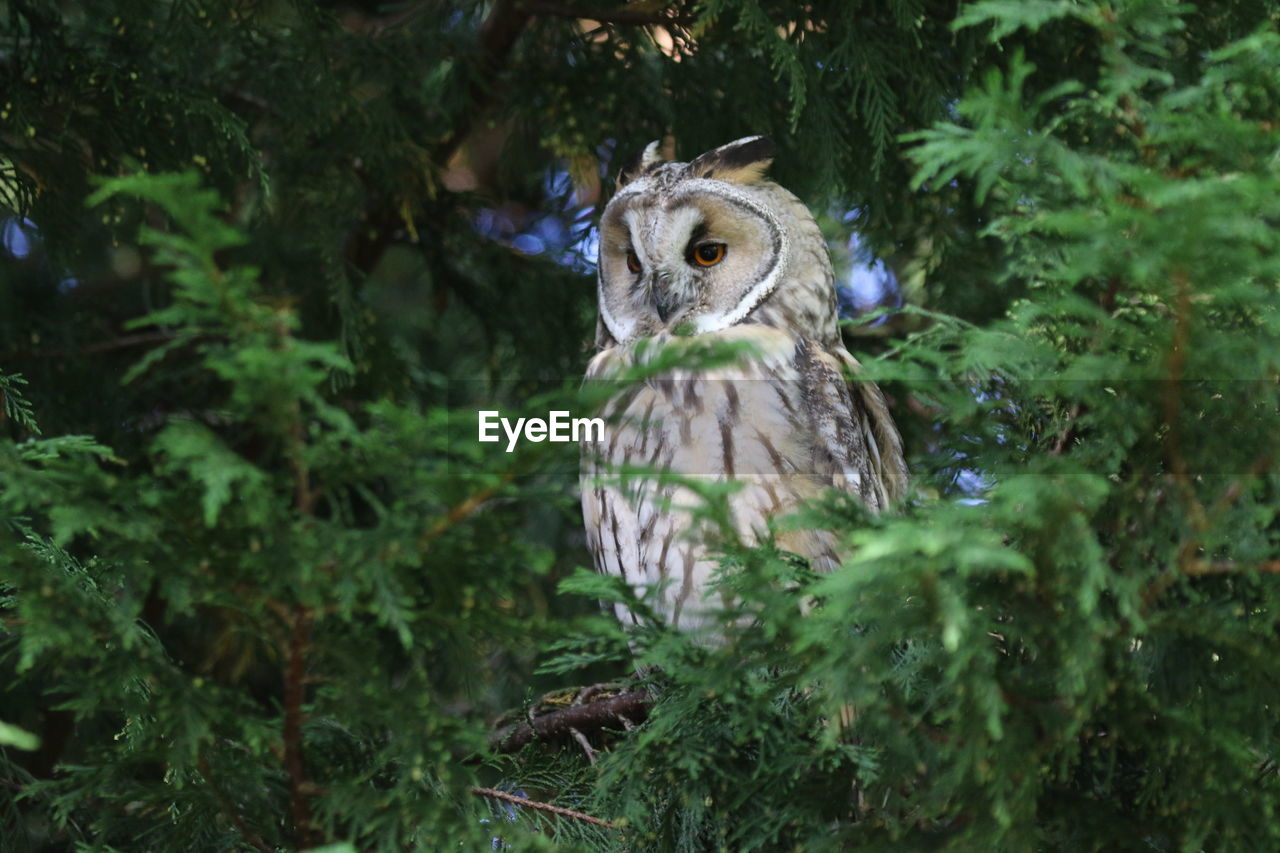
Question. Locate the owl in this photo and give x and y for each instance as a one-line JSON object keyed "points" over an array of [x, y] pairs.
{"points": [[712, 252]]}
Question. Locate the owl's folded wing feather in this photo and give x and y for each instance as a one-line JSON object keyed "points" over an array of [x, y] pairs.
{"points": [[857, 445]]}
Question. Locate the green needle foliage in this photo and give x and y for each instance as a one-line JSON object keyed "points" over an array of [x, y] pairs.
{"points": [[262, 589]]}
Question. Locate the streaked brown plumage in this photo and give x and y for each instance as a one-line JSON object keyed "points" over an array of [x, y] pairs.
{"points": [[781, 420]]}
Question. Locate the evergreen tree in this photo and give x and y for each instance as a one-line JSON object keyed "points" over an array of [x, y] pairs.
{"points": [[260, 588]]}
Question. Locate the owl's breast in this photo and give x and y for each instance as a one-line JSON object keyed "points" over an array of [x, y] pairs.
{"points": [[762, 423]]}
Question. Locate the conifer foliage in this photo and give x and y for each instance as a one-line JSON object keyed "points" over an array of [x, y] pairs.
{"points": [[261, 589]]}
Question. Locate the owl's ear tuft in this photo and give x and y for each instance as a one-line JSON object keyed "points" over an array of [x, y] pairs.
{"points": [[742, 161], [640, 163]]}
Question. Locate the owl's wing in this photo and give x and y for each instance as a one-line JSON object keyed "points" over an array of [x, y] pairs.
{"points": [[858, 446]]}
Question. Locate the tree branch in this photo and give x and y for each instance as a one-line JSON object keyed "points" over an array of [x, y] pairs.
{"points": [[617, 15], [1068, 431], [1177, 361], [299, 641], [540, 806], [1186, 564], [295, 675], [1200, 568], [498, 35], [459, 513], [624, 709], [122, 342]]}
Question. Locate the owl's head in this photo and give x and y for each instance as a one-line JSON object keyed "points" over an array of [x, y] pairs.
{"points": [[698, 247]]}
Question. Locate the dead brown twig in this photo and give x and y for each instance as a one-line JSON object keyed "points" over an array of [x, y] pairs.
{"points": [[1200, 568], [540, 806], [1186, 564]]}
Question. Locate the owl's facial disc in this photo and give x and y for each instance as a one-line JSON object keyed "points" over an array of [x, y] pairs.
{"points": [[702, 258]]}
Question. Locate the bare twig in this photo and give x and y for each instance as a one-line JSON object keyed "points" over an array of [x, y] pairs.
{"points": [[463, 510], [460, 512], [1068, 431], [585, 744], [1173, 399], [122, 342], [1199, 568], [1186, 564], [540, 806], [624, 709], [1192, 568]]}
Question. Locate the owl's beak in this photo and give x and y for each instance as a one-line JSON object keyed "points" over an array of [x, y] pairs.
{"points": [[664, 308], [664, 298]]}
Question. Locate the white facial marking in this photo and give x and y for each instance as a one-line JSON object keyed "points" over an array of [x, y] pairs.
{"points": [[660, 237], [714, 322]]}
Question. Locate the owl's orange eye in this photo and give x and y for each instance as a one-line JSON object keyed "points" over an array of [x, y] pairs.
{"points": [[633, 261], [709, 254]]}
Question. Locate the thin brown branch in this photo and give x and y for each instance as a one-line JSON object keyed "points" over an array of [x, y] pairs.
{"points": [[304, 499], [506, 21], [1172, 404], [1261, 463], [122, 342], [1193, 568], [299, 621], [623, 15], [1200, 568], [1068, 432], [462, 511], [376, 26], [303, 496], [619, 710], [294, 691], [1186, 564], [540, 806], [1173, 399], [498, 35]]}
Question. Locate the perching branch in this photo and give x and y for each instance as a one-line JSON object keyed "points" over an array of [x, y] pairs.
{"points": [[621, 710], [540, 806], [618, 15]]}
